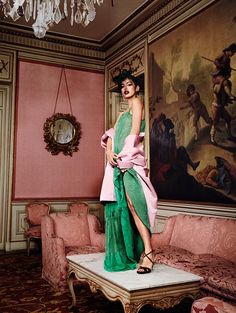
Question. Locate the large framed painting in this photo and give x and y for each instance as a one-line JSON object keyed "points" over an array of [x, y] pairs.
{"points": [[193, 108]]}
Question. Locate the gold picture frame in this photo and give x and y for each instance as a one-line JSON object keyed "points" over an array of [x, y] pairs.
{"points": [[185, 165], [62, 133]]}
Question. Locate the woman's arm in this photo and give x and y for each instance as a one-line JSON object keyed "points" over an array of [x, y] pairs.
{"points": [[111, 156], [137, 111]]}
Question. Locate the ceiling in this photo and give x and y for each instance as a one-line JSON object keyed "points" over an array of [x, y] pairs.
{"points": [[111, 17]]}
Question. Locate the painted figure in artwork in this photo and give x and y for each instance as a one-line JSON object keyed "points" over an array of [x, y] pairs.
{"points": [[198, 107], [222, 175], [222, 91], [129, 197], [222, 62], [166, 156], [222, 96]]}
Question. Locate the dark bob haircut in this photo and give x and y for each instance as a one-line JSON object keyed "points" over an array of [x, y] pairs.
{"points": [[125, 74]]}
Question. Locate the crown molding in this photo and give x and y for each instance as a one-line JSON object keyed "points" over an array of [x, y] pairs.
{"points": [[25, 42]]}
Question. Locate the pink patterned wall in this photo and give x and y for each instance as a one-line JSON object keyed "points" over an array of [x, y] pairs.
{"points": [[37, 173]]}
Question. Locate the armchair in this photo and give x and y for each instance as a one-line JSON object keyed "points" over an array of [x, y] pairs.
{"points": [[34, 214], [67, 234]]}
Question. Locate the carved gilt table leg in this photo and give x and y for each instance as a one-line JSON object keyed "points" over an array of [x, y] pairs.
{"points": [[70, 281], [131, 308]]}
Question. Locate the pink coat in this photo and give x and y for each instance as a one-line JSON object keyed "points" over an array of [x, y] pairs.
{"points": [[131, 156]]}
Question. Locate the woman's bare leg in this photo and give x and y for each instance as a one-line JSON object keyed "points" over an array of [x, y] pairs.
{"points": [[144, 233]]}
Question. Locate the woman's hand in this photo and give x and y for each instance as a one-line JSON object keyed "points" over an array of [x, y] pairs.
{"points": [[111, 157]]}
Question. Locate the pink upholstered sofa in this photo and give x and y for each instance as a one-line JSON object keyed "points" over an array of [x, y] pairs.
{"points": [[205, 246], [66, 234]]}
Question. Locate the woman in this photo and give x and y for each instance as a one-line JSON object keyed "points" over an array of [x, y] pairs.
{"points": [[130, 200]]}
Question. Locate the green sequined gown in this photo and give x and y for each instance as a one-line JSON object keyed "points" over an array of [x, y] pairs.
{"points": [[123, 242]]}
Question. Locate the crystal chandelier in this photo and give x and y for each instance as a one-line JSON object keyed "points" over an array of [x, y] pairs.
{"points": [[47, 12]]}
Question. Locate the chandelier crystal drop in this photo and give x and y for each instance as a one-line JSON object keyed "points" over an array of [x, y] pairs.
{"points": [[45, 13]]}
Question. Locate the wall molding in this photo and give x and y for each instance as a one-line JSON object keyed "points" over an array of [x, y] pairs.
{"points": [[167, 209], [6, 145], [76, 62], [199, 209], [59, 59], [86, 55]]}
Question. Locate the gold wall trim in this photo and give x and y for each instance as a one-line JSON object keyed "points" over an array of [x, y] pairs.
{"points": [[128, 53]]}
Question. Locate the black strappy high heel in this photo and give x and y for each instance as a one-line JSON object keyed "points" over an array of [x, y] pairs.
{"points": [[145, 269]]}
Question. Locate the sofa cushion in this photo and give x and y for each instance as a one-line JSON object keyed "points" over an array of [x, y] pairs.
{"points": [[218, 274], [73, 228], [34, 231], [173, 256], [192, 233], [212, 305], [223, 278]]}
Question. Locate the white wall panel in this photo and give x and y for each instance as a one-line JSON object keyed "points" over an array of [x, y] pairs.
{"points": [[4, 103]]}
